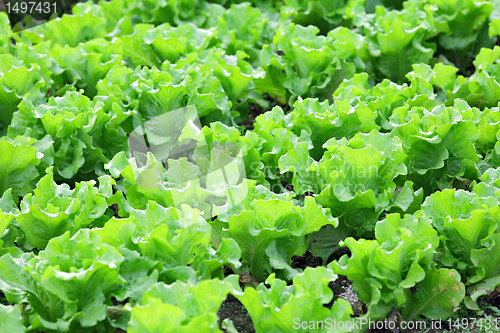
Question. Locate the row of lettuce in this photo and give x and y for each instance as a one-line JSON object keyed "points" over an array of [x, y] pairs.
{"points": [[170, 263], [82, 234], [102, 101], [447, 248], [223, 58]]}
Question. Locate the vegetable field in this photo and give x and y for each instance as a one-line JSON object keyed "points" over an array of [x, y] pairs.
{"points": [[265, 166]]}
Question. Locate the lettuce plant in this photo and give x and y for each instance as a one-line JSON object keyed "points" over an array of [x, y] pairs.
{"points": [[397, 39], [88, 21], [432, 141], [276, 141], [6, 32], [301, 63], [66, 285], [467, 224], [278, 306], [182, 307], [200, 178], [323, 121], [244, 28], [21, 161], [11, 319], [53, 209], [325, 15], [464, 28], [79, 128], [179, 240], [384, 270], [356, 177], [83, 66], [16, 80], [273, 231]]}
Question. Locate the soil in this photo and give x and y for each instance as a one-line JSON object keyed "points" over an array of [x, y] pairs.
{"points": [[254, 111], [233, 309], [273, 102], [115, 209], [3, 299], [305, 260], [342, 288]]}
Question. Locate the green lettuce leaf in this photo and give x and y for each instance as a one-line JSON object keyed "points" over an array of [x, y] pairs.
{"points": [[8, 211], [53, 209], [397, 39], [86, 64], [326, 15], [81, 130], [384, 270], [18, 165], [359, 176], [11, 319], [185, 306], [487, 261], [437, 296], [170, 43], [277, 308], [133, 49], [245, 28], [308, 65], [87, 23], [274, 220], [324, 122], [6, 32], [66, 285], [433, 140], [468, 224], [17, 80]]}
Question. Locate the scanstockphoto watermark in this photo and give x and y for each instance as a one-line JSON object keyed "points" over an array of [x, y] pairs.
{"points": [[350, 171], [362, 323], [351, 178], [193, 168]]}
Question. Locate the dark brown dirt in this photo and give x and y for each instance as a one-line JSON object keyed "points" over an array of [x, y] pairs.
{"points": [[3, 299], [305, 260], [233, 309], [337, 287], [254, 111], [490, 302]]}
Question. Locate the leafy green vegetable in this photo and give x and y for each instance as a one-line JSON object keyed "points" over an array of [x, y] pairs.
{"points": [[16, 81], [185, 306], [436, 149], [273, 231], [156, 156], [80, 128], [308, 65], [66, 284], [359, 175], [278, 307], [11, 320], [18, 165], [86, 64], [53, 209], [87, 23], [467, 223], [384, 270]]}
